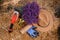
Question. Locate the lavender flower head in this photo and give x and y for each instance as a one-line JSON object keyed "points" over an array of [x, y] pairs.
{"points": [[30, 13]]}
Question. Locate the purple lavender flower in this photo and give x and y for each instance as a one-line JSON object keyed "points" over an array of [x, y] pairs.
{"points": [[31, 12]]}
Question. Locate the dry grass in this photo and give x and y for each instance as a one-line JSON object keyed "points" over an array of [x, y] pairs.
{"points": [[16, 35]]}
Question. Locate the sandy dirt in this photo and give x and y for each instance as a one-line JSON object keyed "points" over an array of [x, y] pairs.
{"points": [[5, 18]]}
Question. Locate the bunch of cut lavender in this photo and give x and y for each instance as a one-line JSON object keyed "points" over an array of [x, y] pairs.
{"points": [[30, 13]]}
